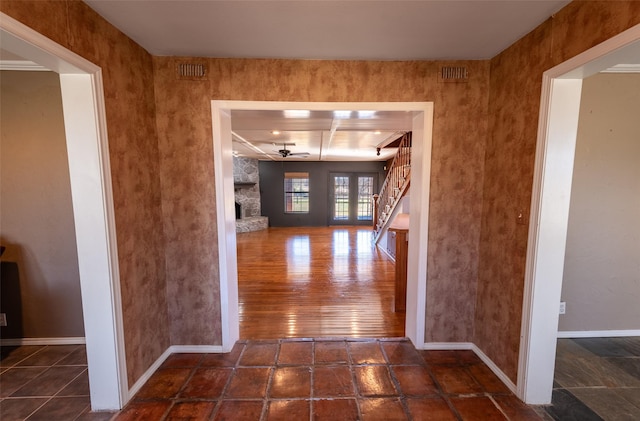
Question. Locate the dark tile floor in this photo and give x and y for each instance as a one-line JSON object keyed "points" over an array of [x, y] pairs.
{"points": [[597, 379], [44, 383], [333, 380]]}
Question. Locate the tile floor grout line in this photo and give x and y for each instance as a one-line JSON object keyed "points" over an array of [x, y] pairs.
{"points": [[265, 399], [82, 412], [356, 389], [72, 380], [440, 389], [498, 406], [35, 380], [234, 370], [396, 384], [29, 356], [38, 408]]}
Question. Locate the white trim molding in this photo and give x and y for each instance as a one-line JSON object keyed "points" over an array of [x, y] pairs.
{"points": [[173, 349], [22, 65], [496, 370], [555, 148], [623, 68], [88, 156], [447, 346], [196, 349], [43, 341], [598, 333], [462, 346], [148, 373], [422, 127]]}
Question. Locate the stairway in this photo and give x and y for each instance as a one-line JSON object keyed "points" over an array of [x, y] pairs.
{"points": [[395, 186]]}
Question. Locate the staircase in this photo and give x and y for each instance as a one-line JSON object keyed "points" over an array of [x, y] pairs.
{"points": [[394, 187]]}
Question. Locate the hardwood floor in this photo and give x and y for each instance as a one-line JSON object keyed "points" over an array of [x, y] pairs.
{"points": [[315, 282]]}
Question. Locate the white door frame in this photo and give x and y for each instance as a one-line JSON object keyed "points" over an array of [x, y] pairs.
{"points": [[90, 173], [419, 205], [557, 129]]}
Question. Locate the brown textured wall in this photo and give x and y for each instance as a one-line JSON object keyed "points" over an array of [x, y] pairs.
{"points": [[184, 123], [184, 150], [130, 109], [516, 80]]}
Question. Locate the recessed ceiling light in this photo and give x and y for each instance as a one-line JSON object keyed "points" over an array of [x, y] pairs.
{"points": [[366, 114], [275, 132], [342, 114], [377, 132], [297, 113]]}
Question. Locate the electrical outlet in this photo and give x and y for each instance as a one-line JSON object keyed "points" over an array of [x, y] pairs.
{"points": [[3, 319], [563, 307]]}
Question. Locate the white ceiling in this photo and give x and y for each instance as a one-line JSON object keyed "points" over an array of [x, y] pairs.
{"points": [[327, 29], [324, 29], [342, 135]]}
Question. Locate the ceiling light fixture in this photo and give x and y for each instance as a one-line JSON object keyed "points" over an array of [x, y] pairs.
{"points": [[366, 114], [297, 113], [275, 132], [377, 132], [342, 114]]}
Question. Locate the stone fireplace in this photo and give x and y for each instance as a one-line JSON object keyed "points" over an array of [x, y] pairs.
{"points": [[247, 196]]}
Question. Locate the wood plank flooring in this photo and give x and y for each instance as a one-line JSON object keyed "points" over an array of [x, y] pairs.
{"points": [[315, 282]]}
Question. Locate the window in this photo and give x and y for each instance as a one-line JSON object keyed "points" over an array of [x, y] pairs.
{"points": [[365, 202], [341, 198], [296, 192]]}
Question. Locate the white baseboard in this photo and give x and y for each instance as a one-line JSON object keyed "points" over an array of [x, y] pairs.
{"points": [[496, 370], [598, 333], [43, 341], [447, 346], [457, 346], [384, 250], [196, 349], [147, 374], [173, 349]]}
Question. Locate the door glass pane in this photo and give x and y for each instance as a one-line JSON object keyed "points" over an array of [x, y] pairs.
{"points": [[365, 193], [340, 198]]}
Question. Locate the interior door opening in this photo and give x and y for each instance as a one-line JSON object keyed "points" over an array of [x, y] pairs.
{"points": [[422, 116], [558, 124], [90, 174]]}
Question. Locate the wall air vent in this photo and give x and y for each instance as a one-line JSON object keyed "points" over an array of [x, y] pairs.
{"points": [[453, 74], [192, 71]]}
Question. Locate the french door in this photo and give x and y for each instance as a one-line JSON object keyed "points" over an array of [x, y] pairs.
{"points": [[351, 198]]}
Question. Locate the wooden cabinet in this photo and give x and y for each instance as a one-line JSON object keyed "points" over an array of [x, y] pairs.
{"points": [[400, 227]]}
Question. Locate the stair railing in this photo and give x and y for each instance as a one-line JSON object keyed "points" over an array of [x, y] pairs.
{"points": [[394, 186]]}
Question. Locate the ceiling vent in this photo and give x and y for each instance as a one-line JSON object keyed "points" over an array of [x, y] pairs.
{"points": [[454, 74], [192, 71]]}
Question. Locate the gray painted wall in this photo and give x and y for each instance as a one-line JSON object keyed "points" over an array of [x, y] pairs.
{"points": [[36, 215], [601, 284], [272, 189]]}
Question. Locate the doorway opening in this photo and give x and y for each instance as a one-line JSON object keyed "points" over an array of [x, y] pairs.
{"points": [[421, 115], [90, 174], [557, 130]]}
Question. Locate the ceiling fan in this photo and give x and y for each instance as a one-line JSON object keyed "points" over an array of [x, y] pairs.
{"points": [[284, 152]]}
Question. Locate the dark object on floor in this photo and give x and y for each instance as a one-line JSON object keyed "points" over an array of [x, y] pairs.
{"points": [[10, 300]]}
